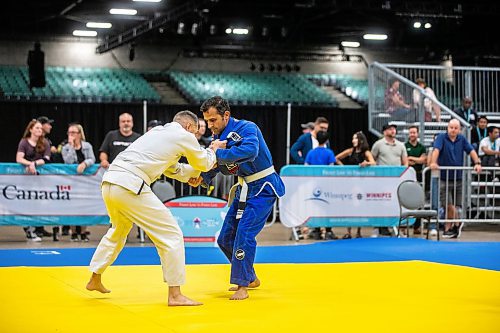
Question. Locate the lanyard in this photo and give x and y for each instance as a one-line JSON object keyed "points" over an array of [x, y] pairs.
{"points": [[479, 133], [494, 145]]}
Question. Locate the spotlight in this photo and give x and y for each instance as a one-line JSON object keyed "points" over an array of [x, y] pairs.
{"points": [[194, 29], [180, 28], [427, 25], [417, 25]]}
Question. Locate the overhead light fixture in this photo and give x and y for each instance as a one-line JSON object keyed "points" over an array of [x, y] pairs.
{"points": [[240, 31], [146, 0], [427, 25], [180, 28], [349, 44], [122, 11], [84, 33], [417, 25], [101, 25], [229, 30], [375, 36]]}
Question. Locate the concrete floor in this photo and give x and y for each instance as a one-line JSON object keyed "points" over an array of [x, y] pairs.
{"points": [[277, 234]]}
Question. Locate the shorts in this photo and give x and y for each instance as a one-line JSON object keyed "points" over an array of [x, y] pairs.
{"points": [[451, 194]]}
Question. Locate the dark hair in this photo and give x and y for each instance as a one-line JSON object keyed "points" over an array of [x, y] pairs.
{"points": [[491, 129], [413, 126], [482, 117], [217, 102], [40, 143], [362, 142], [420, 80], [321, 120], [322, 137]]}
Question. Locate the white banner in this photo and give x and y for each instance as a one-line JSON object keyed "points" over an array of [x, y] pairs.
{"points": [[325, 196], [58, 195]]}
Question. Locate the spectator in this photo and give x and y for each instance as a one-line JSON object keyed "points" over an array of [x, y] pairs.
{"points": [[448, 151], [429, 106], [33, 150], [321, 155], [80, 152], [479, 132], [152, 124], [47, 128], [307, 127], [395, 104], [417, 158], [358, 154], [308, 141], [466, 111], [389, 151], [489, 148], [200, 135], [118, 140]]}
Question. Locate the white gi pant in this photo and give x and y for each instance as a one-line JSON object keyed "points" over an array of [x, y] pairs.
{"points": [[150, 214]]}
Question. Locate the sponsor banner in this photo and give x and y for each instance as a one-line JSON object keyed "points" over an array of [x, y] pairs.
{"points": [[200, 217], [336, 196], [56, 196]]}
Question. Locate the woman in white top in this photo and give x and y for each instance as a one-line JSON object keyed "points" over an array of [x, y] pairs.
{"points": [[429, 106]]}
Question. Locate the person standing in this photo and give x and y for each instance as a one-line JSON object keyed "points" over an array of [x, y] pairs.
{"points": [[118, 140], [308, 141], [467, 112], [449, 149], [389, 151], [128, 198], [78, 151], [248, 157]]}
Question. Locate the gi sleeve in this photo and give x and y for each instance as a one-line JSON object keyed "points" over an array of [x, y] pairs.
{"points": [[245, 150], [181, 172]]}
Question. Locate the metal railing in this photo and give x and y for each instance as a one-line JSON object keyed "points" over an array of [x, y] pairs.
{"points": [[452, 84], [475, 197], [382, 110]]}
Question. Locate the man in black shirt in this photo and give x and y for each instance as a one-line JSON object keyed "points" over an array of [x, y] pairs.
{"points": [[118, 140]]}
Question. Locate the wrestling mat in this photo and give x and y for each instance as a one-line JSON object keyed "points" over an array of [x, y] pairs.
{"points": [[393, 295]]}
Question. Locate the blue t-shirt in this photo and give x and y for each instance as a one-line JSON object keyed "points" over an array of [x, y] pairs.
{"points": [[451, 153], [320, 156]]}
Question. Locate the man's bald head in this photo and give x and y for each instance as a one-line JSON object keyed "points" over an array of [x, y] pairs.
{"points": [[454, 128]]}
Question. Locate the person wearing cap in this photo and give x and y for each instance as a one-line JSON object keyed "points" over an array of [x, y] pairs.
{"points": [[152, 124], [389, 151], [307, 127], [47, 128], [466, 111], [118, 140], [307, 141]]}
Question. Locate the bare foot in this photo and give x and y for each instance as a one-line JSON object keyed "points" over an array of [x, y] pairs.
{"points": [[181, 300], [240, 294], [252, 285], [96, 284]]}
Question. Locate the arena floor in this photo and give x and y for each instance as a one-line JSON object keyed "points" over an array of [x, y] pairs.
{"points": [[368, 285]]}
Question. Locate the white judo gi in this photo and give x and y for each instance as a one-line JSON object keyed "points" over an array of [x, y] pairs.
{"points": [[128, 197]]}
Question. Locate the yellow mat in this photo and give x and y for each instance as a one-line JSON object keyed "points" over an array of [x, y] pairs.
{"points": [[355, 297]]}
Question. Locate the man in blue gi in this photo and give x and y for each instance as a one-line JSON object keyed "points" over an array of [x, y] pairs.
{"points": [[246, 156]]}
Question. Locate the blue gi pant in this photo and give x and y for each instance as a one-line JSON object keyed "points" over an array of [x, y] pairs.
{"points": [[237, 237]]}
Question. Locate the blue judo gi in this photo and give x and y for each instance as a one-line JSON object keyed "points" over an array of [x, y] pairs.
{"points": [[247, 156]]}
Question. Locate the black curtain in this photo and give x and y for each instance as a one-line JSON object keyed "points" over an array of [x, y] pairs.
{"points": [[98, 119]]}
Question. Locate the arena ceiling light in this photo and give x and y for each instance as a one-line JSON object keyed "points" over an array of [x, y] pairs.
{"points": [[240, 31], [229, 30], [375, 36], [417, 25], [99, 25], [84, 33], [122, 11], [349, 44], [427, 25], [146, 0]]}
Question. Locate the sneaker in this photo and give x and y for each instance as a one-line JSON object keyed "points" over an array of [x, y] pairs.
{"points": [[384, 231], [84, 238], [374, 233], [315, 234], [31, 236], [330, 235], [451, 233], [41, 232], [433, 233], [74, 238], [458, 229]]}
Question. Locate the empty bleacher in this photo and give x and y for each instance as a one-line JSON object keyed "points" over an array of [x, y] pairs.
{"points": [[251, 88], [77, 85]]}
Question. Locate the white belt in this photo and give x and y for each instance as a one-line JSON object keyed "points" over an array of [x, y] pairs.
{"points": [[243, 181]]}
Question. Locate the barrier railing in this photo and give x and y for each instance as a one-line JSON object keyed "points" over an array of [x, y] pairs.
{"points": [[474, 197]]}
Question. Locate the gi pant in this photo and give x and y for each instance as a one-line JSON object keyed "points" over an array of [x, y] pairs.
{"points": [[237, 237], [150, 214]]}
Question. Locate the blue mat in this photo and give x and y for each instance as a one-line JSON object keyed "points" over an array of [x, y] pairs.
{"points": [[479, 255]]}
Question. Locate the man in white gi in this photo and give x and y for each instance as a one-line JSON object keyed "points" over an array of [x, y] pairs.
{"points": [[129, 199]]}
